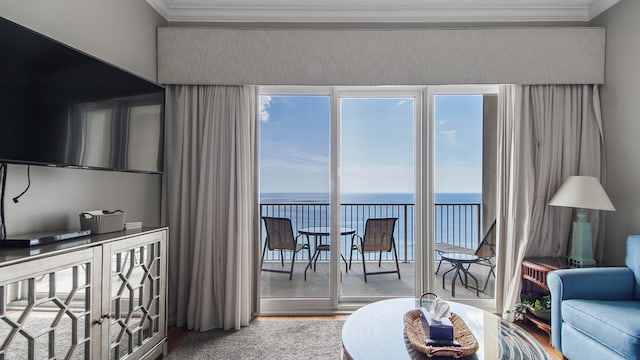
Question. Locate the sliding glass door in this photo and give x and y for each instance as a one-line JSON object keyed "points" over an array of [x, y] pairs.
{"points": [[332, 159], [378, 193], [294, 196], [464, 121]]}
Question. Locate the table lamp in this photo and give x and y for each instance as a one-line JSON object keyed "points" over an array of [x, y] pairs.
{"points": [[582, 192]]}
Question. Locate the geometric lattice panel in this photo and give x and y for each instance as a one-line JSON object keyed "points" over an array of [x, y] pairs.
{"points": [[135, 298], [47, 316]]}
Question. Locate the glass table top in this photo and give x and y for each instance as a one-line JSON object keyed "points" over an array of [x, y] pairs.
{"points": [[376, 331]]}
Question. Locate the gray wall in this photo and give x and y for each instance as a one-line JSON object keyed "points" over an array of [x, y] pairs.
{"points": [[121, 32], [621, 118], [58, 195]]}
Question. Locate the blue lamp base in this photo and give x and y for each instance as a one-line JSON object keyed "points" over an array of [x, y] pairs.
{"points": [[581, 246]]}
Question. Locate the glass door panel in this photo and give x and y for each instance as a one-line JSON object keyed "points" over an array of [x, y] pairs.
{"points": [[464, 197], [294, 196], [377, 195]]}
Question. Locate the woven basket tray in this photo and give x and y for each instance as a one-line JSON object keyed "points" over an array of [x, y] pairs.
{"points": [[109, 221], [417, 337]]}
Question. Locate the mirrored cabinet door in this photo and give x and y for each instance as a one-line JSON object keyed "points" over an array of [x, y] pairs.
{"points": [[45, 307], [137, 296]]}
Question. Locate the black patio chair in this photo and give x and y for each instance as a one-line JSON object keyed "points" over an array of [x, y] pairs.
{"points": [[483, 254], [378, 237], [280, 237]]}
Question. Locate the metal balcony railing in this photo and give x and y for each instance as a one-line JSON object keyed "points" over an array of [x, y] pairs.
{"points": [[457, 224]]}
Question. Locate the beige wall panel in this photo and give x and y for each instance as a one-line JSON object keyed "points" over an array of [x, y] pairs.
{"points": [[58, 195], [621, 120], [380, 57]]}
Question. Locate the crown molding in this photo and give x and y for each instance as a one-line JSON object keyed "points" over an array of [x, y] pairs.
{"points": [[394, 11], [598, 7]]}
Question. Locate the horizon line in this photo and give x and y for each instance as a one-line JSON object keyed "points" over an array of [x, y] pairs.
{"points": [[324, 192]]}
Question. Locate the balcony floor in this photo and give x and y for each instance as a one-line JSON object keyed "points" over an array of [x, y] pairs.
{"points": [[276, 285]]}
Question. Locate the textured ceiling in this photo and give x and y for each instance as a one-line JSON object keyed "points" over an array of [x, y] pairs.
{"points": [[369, 11]]}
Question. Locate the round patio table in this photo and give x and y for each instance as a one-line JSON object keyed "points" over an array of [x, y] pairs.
{"points": [[459, 261], [318, 232], [376, 331]]}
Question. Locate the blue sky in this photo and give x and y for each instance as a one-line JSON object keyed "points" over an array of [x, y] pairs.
{"points": [[458, 144], [377, 144], [294, 144]]}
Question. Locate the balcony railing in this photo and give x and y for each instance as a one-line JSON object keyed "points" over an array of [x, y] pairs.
{"points": [[457, 224]]}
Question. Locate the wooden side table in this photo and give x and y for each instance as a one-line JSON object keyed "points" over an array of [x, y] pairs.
{"points": [[534, 279]]}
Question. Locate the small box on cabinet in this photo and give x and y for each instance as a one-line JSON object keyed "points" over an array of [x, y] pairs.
{"points": [[102, 221]]}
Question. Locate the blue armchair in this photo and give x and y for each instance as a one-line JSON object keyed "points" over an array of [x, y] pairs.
{"points": [[595, 312]]}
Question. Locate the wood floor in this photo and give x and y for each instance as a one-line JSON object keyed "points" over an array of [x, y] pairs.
{"points": [[543, 339], [176, 334]]}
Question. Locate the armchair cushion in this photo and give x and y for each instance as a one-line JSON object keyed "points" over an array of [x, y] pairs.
{"points": [[586, 283], [614, 323]]}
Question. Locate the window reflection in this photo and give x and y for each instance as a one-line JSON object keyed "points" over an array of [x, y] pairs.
{"points": [[47, 316], [122, 134]]}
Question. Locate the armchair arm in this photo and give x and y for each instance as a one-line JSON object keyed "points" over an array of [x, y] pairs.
{"points": [[615, 283], [353, 237]]}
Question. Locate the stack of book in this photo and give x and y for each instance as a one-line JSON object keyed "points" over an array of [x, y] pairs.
{"points": [[133, 225]]}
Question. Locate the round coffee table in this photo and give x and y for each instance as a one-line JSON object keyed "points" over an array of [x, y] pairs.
{"points": [[376, 331]]}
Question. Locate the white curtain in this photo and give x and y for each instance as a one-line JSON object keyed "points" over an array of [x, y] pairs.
{"points": [[209, 196], [546, 133]]}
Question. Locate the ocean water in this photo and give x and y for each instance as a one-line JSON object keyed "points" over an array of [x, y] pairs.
{"points": [[457, 215], [366, 198]]}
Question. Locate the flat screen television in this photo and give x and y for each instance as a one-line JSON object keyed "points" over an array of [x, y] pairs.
{"points": [[62, 107]]}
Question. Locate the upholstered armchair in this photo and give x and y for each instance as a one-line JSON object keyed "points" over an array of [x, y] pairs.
{"points": [[595, 312]]}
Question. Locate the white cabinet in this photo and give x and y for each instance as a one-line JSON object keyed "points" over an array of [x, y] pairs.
{"points": [[102, 297]]}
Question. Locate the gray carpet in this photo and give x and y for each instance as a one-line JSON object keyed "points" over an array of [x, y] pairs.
{"points": [[266, 339]]}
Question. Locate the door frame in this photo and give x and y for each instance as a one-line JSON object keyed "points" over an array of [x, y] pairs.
{"points": [[417, 92], [336, 303], [430, 281]]}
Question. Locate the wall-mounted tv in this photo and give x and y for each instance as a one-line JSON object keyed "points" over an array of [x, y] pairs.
{"points": [[62, 107]]}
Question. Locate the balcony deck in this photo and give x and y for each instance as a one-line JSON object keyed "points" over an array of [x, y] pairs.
{"points": [[454, 223], [275, 285]]}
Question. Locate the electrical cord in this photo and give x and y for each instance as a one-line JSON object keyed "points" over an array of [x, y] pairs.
{"points": [[15, 199], [3, 187]]}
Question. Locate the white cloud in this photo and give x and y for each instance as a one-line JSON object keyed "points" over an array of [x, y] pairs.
{"points": [[297, 159], [449, 136], [294, 170], [402, 102], [265, 102]]}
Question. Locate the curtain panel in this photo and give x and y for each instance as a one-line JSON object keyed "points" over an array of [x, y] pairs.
{"points": [[546, 133], [209, 196]]}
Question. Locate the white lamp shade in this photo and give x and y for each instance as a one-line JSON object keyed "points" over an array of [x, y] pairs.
{"points": [[582, 192]]}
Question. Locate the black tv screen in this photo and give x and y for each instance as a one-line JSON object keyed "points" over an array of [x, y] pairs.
{"points": [[61, 107]]}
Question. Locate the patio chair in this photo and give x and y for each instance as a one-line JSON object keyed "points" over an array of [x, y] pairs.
{"points": [[280, 237], [378, 237], [482, 255]]}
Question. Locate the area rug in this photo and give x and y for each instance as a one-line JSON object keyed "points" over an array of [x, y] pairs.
{"points": [[266, 339]]}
